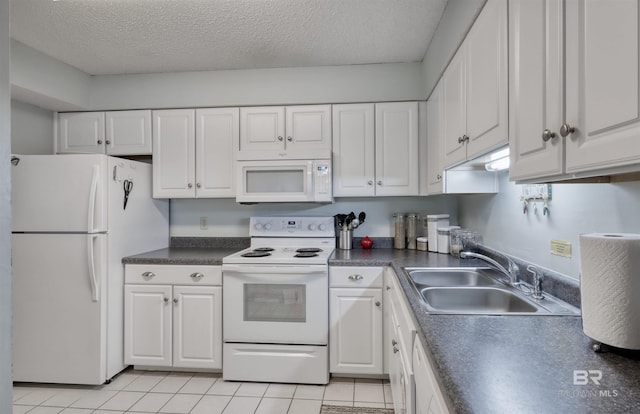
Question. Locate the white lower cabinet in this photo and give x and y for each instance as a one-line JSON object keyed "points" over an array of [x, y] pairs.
{"points": [[429, 399], [355, 317], [173, 316], [401, 333]]}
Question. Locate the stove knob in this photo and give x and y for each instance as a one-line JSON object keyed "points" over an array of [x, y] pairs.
{"points": [[322, 227], [267, 226], [258, 226], [312, 226]]}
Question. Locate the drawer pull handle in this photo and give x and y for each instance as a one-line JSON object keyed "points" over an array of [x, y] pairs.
{"points": [[175, 300], [395, 350], [148, 275], [166, 300], [197, 276], [394, 342], [356, 277], [378, 303]]}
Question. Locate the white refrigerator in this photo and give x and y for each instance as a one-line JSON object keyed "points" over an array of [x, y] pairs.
{"points": [[71, 228]]}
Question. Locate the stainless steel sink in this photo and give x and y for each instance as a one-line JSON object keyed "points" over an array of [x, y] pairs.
{"points": [[477, 300], [477, 291], [451, 277]]}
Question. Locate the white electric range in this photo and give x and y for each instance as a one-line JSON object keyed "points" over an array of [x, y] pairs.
{"points": [[275, 302]]}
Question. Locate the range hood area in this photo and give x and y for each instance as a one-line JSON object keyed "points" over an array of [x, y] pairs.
{"points": [[477, 176]]}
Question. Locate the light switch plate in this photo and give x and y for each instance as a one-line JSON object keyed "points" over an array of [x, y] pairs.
{"points": [[561, 248]]}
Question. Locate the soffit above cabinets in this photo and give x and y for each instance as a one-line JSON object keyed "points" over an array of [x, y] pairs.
{"points": [[150, 36]]}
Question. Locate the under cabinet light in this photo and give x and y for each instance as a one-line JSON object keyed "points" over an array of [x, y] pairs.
{"points": [[498, 161]]}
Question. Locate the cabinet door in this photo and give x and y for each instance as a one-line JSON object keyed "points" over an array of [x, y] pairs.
{"points": [[217, 137], [396, 149], [603, 97], [197, 327], [261, 133], [128, 132], [428, 398], [434, 136], [487, 80], [81, 132], [454, 116], [355, 338], [400, 372], [147, 325], [308, 131], [536, 87], [174, 153], [353, 150]]}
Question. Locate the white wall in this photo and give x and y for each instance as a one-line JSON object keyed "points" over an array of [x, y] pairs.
{"points": [[456, 20], [31, 129], [226, 218], [574, 209], [46, 82], [41, 80], [6, 389], [327, 84]]}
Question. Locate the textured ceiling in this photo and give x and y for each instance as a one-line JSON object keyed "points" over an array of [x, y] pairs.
{"points": [[103, 37]]}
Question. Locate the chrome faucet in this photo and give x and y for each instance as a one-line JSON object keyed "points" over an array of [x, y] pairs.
{"points": [[537, 282], [511, 272]]}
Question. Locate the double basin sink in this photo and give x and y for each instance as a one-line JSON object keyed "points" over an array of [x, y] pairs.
{"points": [[478, 290]]}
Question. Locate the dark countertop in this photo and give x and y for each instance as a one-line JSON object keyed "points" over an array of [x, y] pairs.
{"points": [[487, 364], [182, 256], [510, 364]]}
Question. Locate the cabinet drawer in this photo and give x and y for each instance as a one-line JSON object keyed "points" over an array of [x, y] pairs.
{"points": [[173, 274], [399, 306], [354, 276]]}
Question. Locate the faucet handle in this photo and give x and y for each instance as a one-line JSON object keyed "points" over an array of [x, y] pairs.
{"points": [[538, 276]]}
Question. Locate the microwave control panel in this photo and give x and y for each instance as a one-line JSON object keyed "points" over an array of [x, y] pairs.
{"points": [[323, 184]]}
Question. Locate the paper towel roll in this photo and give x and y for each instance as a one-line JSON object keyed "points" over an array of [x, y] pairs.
{"points": [[610, 288]]}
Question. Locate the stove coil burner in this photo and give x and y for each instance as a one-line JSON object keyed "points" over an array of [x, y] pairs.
{"points": [[263, 249], [255, 253], [309, 250], [305, 254]]}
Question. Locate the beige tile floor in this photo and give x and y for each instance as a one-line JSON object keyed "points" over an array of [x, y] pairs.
{"points": [[186, 393]]}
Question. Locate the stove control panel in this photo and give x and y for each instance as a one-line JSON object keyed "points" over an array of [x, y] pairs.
{"points": [[292, 227]]}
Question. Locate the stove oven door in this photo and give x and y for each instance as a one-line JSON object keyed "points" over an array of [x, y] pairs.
{"points": [[275, 304]]}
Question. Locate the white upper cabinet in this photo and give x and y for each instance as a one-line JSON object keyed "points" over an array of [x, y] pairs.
{"points": [[174, 153], [128, 132], [475, 89], [575, 109], [112, 133], [292, 132], [353, 150], [396, 149], [375, 149], [434, 135], [602, 89], [217, 132], [193, 152], [80, 132], [536, 88]]}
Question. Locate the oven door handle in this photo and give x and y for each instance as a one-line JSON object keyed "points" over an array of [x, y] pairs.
{"points": [[274, 269]]}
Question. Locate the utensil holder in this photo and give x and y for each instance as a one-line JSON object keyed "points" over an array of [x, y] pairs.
{"points": [[345, 239]]}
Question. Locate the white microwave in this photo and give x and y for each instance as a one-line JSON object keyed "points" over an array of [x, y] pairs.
{"points": [[284, 181]]}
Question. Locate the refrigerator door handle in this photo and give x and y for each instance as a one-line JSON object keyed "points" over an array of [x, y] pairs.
{"points": [[92, 267], [92, 198]]}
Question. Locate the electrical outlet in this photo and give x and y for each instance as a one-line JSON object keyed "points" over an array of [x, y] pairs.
{"points": [[203, 223], [561, 248]]}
